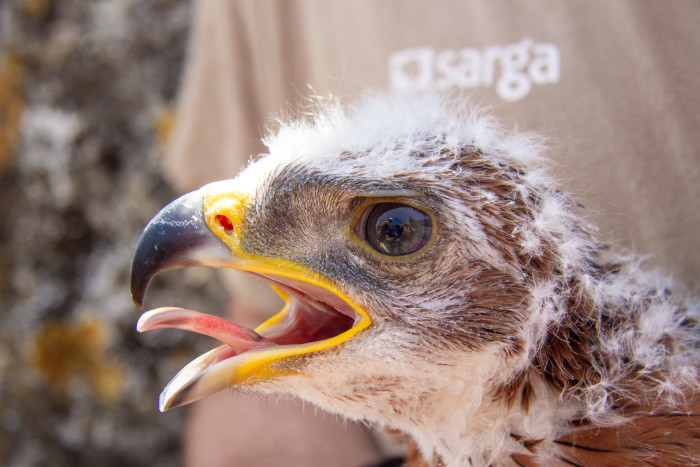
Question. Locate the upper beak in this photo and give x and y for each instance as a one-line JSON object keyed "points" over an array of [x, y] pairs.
{"points": [[177, 237]]}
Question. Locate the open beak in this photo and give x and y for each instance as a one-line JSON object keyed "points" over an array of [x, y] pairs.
{"points": [[204, 228]]}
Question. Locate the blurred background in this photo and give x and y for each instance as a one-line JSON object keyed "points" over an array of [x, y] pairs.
{"points": [[86, 105]]}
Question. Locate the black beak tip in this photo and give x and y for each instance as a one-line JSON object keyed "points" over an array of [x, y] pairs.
{"points": [[177, 237], [138, 295], [139, 280]]}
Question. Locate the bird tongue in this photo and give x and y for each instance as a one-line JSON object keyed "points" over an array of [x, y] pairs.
{"points": [[240, 338]]}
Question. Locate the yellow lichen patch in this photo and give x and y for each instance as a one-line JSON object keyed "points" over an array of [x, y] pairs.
{"points": [[36, 8], [67, 352], [163, 127], [11, 105]]}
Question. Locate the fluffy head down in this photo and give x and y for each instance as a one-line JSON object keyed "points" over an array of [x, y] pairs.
{"points": [[516, 320]]}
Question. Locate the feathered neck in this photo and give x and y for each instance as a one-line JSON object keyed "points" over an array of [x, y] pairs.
{"points": [[616, 374]]}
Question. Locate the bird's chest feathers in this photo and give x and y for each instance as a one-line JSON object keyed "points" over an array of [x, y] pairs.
{"points": [[448, 410]]}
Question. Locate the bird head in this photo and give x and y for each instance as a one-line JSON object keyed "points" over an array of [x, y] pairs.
{"points": [[409, 240]]}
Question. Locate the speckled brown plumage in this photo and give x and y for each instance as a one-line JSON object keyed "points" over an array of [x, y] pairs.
{"points": [[513, 336]]}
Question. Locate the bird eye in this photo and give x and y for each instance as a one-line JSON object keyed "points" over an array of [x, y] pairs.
{"points": [[396, 229]]}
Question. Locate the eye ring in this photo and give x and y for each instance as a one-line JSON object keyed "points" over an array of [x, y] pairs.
{"points": [[395, 229]]}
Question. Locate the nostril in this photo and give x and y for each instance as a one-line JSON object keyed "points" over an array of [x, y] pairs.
{"points": [[225, 222]]}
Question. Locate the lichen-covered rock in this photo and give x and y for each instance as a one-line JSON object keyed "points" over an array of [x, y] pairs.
{"points": [[86, 97]]}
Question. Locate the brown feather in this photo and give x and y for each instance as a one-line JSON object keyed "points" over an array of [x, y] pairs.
{"points": [[647, 438]]}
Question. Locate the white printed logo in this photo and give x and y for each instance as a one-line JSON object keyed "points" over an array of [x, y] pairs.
{"points": [[521, 65]]}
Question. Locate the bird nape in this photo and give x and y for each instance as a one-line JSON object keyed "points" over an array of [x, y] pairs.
{"points": [[436, 282]]}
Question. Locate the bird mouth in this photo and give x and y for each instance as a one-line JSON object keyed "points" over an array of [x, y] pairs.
{"points": [[316, 316]]}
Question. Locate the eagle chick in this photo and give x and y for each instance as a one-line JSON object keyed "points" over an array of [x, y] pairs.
{"points": [[438, 283]]}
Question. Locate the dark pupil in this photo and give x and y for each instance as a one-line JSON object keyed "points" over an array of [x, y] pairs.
{"points": [[396, 229]]}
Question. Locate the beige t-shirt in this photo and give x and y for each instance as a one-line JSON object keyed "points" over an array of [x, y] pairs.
{"points": [[613, 85]]}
